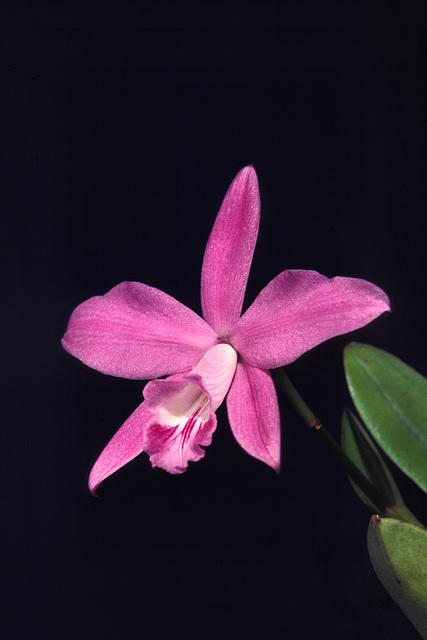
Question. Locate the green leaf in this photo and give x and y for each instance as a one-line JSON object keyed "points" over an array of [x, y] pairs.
{"points": [[360, 447], [391, 398], [398, 553]]}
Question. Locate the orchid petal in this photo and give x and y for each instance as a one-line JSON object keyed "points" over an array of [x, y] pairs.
{"points": [[136, 331], [229, 252], [183, 410], [253, 412], [123, 447], [300, 309]]}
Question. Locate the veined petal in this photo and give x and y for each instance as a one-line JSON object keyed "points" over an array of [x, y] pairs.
{"points": [[125, 445], [229, 252], [300, 309], [253, 412], [136, 331], [183, 410]]}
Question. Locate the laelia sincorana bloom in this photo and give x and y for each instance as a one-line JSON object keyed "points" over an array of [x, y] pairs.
{"points": [[139, 332]]}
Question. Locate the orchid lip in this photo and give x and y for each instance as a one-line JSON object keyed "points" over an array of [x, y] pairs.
{"points": [[182, 422], [183, 409]]}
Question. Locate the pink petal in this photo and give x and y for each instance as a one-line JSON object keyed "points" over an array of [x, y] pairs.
{"points": [[125, 445], [229, 252], [300, 309], [136, 331], [253, 413], [183, 410]]}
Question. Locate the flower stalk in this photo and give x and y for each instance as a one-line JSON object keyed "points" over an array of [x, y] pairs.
{"points": [[399, 511]]}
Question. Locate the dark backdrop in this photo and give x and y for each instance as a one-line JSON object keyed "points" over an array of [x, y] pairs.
{"points": [[124, 123]]}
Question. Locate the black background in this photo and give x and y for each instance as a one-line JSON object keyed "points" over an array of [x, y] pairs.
{"points": [[124, 124]]}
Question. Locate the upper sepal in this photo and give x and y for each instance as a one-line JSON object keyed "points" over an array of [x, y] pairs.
{"points": [[229, 252]]}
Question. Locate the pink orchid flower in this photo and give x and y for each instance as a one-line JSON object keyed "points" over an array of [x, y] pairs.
{"points": [[139, 332]]}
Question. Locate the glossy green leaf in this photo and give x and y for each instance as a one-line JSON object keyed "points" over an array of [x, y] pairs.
{"points": [[360, 447], [391, 398], [398, 553]]}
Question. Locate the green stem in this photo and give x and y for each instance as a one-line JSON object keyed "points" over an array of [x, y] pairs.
{"points": [[394, 511]]}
